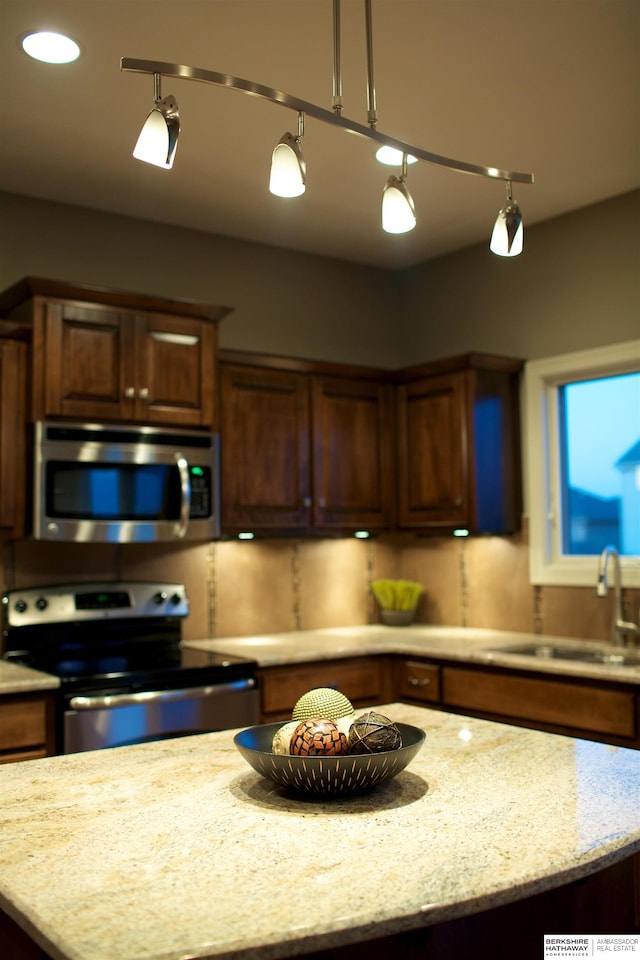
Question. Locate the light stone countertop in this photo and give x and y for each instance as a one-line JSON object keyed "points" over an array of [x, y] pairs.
{"points": [[466, 644], [15, 678], [179, 849]]}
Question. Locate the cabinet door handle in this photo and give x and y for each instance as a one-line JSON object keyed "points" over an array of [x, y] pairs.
{"points": [[143, 393], [418, 681], [130, 393], [306, 502], [322, 503]]}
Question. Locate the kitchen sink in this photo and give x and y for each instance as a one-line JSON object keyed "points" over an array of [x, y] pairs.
{"points": [[556, 651]]}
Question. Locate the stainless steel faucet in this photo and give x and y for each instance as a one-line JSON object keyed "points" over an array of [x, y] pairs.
{"points": [[619, 626]]}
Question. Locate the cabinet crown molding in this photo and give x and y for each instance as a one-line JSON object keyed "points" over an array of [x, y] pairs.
{"points": [[30, 287]]}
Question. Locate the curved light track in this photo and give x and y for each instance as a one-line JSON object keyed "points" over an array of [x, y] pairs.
{"points": [[183, 72]]}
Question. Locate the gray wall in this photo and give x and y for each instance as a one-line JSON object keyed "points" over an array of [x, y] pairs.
{"points": [[576, 286], [283, 302]]}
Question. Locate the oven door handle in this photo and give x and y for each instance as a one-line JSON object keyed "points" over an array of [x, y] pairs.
{"points": [[160, 696], [185, 495]]}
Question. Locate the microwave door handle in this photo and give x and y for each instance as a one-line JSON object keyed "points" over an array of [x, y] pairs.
{"points": [[185, 495]]}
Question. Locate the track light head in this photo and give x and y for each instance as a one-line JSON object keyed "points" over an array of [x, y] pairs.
{"points": [[507, 239], [288, 168], [398, 211], [392, 157], [159, 136]]}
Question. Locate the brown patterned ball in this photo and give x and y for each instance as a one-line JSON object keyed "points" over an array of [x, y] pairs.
{"points": [[372, 733], [318, 737]]}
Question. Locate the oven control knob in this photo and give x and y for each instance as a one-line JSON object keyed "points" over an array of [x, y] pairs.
{"points": [[20, 606], [42, 603], [176, 599], [159, 597]]}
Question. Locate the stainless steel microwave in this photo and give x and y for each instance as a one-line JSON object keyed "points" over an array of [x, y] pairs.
{"points": [[121, 484]]}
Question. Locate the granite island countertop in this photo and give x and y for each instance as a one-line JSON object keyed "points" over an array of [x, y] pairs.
{"points": [[464, 644], [179, 849]]}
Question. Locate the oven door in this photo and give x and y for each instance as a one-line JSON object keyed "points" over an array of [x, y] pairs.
{"points": [[96, 721]]}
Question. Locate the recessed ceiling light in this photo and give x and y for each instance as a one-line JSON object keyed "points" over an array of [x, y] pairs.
{"points": [[50, 47]]}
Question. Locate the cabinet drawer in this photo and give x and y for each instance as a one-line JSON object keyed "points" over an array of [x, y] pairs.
{"points": [[419, 681], [23, 723], [575, 705], [359, 680]]}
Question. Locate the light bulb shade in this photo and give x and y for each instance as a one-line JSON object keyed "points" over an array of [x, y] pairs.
{"points": [[159, 136], [288, 169], [507, 238], [398, 211], [392, 157]]}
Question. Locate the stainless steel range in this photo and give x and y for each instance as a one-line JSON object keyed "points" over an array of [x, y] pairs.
{"points": [[124, 675]]}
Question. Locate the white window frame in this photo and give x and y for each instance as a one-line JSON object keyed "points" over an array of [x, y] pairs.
{"points": [[547, 563]]}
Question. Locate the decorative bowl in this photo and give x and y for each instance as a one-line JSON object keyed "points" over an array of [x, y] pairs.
{"points": [[397, 618], [326, 777]]}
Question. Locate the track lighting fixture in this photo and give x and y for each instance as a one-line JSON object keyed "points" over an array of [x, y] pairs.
{"points": [[157, 142], [507, 238], [288, 169], [159, 136], [398, 211]]}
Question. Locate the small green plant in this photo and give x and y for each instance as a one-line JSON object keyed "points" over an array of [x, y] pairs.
{"points": [[397, 594]]}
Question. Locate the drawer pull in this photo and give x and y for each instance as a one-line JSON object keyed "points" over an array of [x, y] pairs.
{"points": [[418, 681]]}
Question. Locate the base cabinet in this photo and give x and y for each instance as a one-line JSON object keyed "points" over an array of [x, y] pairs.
{"points": [[361, 680], [27, 727], [572, 706]]}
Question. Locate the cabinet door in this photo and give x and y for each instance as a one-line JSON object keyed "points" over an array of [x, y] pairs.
{"points": [[26, 726], [84, 363], [265, 449], [432, 452], [13, 435], [352, 475], [358, 679], [578, 706], [175, 370]]}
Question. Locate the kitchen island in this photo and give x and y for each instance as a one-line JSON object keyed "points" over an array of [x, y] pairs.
{"points": [[178, 849]]}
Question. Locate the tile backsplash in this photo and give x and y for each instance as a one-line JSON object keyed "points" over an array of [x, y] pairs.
{"points": [[270, 586]]}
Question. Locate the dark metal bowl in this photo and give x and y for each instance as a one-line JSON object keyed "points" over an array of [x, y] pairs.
{"points": [[326, 776]]}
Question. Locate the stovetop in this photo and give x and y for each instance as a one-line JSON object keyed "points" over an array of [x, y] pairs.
{"points": [[117, 637]]}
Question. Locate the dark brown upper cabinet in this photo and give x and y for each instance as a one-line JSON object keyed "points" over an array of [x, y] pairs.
{"points": [[13, 434], [109, 356], [304, 449], [458, 445]]}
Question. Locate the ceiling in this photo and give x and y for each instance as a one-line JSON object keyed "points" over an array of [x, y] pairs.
{"points": [[550, 87]]}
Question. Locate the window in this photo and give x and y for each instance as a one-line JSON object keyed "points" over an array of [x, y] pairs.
{"points": [[583, 463]]}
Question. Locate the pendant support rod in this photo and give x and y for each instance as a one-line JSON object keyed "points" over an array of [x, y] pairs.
{"points": [[183, 72], [337, 76], [372, 117]]}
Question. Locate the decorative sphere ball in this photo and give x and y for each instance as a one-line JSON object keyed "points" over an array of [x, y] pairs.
{"points": [[282, 738], [344, 724], [372, 733], [318, 737], [322, 702]]}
